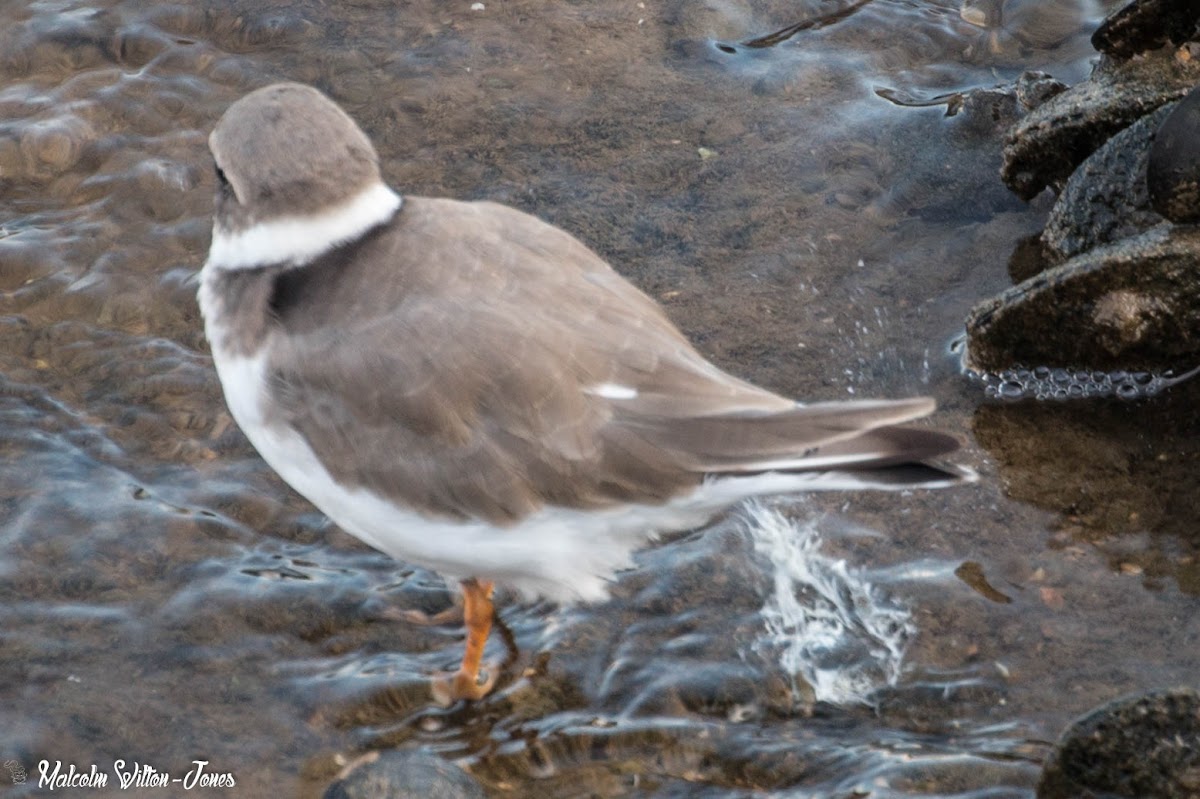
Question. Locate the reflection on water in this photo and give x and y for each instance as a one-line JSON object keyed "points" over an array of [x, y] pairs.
{"points": [[1121, 477], [164, 597]]}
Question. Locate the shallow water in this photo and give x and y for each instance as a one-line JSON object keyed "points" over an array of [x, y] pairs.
{"points": [[164, 598]]}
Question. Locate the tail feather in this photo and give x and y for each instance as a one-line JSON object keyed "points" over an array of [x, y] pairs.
{"points": [[896, 478], [874, 449], [848, 436]]}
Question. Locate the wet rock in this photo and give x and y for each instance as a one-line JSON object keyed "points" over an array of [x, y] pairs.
{"points": [[1035, 88], [1028, 258], [1173, 163], [405, 774], [1046, 146], [1105, 200], [1130, 305], [1140, 747], [1104, 287], [981, 13], [1146, 25]]}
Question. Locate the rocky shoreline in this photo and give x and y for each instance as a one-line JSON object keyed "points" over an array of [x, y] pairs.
{"points": [[1112, 284]]}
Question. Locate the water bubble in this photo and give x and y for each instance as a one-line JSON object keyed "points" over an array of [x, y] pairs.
{"points": [[1011, 389], [1045, 383]]}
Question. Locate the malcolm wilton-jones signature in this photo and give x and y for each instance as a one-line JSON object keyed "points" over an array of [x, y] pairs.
{"points": [[129, 775]]}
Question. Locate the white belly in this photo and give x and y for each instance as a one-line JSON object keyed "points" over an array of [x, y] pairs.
{"points": [[559, 553]]}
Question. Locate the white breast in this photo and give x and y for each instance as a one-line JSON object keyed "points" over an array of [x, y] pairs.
{"points": [[558, 553]]}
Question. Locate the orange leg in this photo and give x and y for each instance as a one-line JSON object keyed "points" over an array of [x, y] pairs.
{"points": [[478, 614]]}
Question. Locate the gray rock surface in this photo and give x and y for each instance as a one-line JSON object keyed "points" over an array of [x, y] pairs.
{"points": [[1108, 284], [1173, 163], [1105, 199]]}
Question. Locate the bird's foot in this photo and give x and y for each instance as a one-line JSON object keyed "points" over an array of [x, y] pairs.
{"points": [[449, 688]]}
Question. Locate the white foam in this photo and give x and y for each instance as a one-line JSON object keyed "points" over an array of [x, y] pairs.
{"points": [[824, 621]]}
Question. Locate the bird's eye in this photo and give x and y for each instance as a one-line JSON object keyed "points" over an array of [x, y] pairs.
{"points": [[221, 179]]}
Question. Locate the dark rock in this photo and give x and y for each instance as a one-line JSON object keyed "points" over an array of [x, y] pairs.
{"points": [[1173, 169], [1047, 145], [405, 774], [1103, 287], [1028, 258], [1105, 199], [1146, 25], [1139, 747], [1130, 305]]}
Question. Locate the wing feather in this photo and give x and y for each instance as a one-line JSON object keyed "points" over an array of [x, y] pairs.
{"points": [[463, 382]]}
